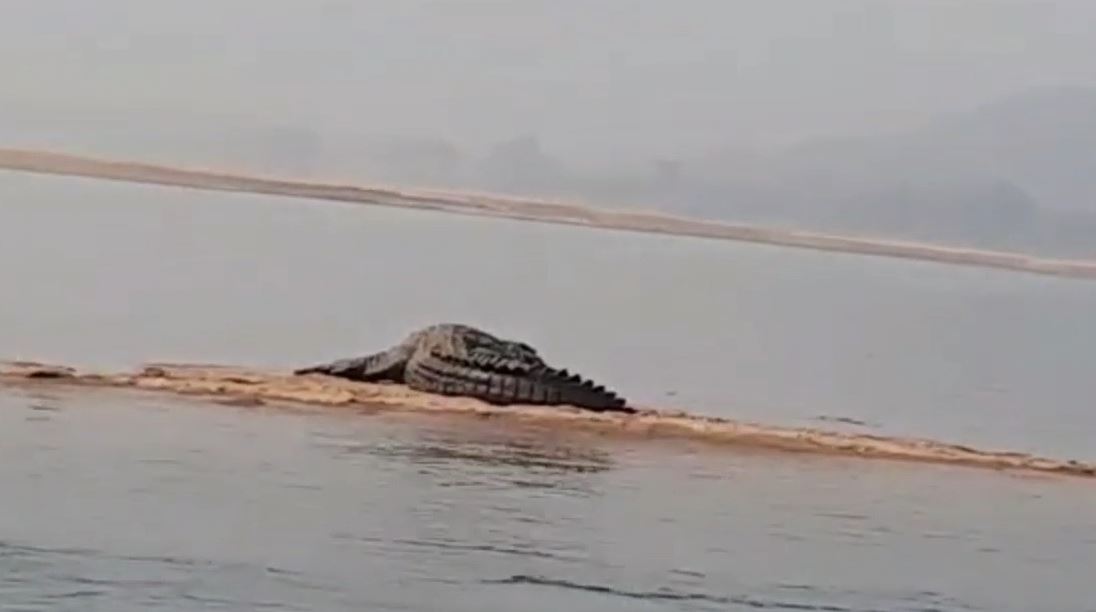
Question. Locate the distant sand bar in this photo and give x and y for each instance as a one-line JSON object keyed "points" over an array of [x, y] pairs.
{"points": [[544, 211]]}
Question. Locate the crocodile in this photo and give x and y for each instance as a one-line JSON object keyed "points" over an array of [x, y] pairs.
{"points": [[460, 360]]}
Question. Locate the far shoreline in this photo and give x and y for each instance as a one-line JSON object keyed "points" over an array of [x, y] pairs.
{"points": [[537, 210]]}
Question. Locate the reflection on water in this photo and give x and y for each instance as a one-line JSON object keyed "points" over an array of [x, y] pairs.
{"points": [[123, 501], [491, 457], [522, 456]]}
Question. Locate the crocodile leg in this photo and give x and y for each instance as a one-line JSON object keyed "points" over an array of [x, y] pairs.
{"points": [[385, 365], [502, 380], [490, 358]]}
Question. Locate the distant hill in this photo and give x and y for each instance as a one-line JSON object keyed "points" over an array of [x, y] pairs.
{"points": [[1017, 173]]}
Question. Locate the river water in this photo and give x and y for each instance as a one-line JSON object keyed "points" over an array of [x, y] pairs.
{"points": [[120, 501]]}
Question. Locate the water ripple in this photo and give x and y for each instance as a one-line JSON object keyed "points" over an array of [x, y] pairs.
{"points": [[44, 576], [669, 594], [487, 548]]}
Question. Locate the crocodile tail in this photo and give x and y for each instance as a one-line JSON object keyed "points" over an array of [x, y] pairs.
{"points": [[501, 380], [581, 391]]}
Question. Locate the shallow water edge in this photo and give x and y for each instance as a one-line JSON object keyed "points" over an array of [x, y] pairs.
{"points": [[256, 387]]}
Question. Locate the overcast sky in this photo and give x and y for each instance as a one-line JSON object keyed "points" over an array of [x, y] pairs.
{"points": [[594, 79]]}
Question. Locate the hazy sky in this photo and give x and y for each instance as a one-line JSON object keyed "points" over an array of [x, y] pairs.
{"points": [[595, 79]]}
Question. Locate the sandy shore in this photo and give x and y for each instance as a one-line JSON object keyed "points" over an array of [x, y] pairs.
{"points": [[532, 210], [253, 387]]}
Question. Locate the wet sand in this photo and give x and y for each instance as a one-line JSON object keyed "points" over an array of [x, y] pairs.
{"points": [[242, 386], [532, 210]]}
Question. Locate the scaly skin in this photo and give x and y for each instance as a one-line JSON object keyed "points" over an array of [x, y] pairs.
{"points": [[454, 359]]}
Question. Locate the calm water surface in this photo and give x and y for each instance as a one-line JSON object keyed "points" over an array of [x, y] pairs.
{"points": [[128, 502], [119, 502]]}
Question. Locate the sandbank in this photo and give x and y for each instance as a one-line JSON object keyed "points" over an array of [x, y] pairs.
{"points": [[244, 386]]}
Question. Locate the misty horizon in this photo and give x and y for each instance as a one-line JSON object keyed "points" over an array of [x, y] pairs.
{"points": [[829, 115], [597, 79]]}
